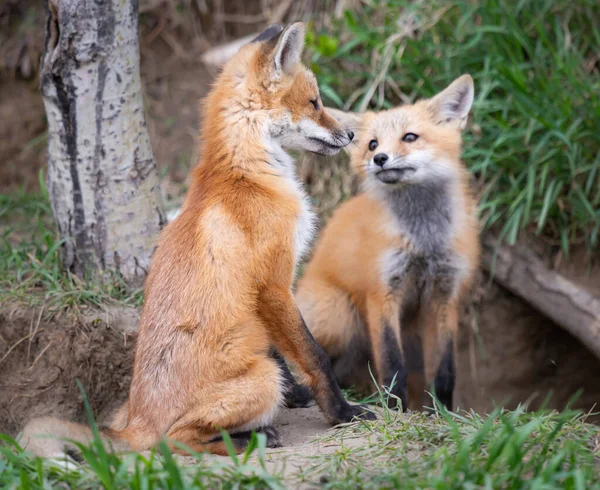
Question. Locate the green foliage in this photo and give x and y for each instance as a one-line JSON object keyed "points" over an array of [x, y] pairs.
{"points": [[102, 468], [506, 449], [533, 143]]}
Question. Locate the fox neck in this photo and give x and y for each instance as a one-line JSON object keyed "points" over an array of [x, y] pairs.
{"points": [[237, 138], [430, 213]]}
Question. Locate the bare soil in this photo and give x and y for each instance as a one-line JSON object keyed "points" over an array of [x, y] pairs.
{"points": [[41, 358], [510, 354]]}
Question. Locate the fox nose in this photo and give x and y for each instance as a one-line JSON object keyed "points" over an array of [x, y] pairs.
{"points": [[380, 159], [350, 135]]}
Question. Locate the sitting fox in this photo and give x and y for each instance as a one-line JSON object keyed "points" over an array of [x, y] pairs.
{"points": [[393, 263], [218, 299]]}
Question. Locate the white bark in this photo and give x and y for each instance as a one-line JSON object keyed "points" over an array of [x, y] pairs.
{"points": [[102, 177]]}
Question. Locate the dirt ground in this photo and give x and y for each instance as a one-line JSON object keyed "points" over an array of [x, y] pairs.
{"points": [[41, 358], [511, 354]]}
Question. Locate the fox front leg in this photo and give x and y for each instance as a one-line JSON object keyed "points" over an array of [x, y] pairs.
{"points": [[293, 339], [384, 330]]}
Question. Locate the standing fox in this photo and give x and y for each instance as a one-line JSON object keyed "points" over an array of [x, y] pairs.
{"points": [[394, 262], [218, 298]]}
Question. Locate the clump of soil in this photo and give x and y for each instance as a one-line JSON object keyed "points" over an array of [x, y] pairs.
{"points": [[41, 359]]}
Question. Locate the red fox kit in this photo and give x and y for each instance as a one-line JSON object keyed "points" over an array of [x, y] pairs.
{"points": [[395, 261], [218, 298]]}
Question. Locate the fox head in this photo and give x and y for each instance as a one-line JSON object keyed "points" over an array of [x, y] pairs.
{"points": [[412, 144], [268, 86]]}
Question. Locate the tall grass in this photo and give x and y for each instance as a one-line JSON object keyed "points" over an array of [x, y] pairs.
{"points": [[534, 142]]}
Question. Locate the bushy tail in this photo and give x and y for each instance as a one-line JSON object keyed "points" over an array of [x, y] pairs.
{"points": [[49, 437]]}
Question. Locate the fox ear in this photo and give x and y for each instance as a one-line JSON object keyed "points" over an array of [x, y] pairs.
{"points": [[270, 33], [289, 48], [454, 102]]}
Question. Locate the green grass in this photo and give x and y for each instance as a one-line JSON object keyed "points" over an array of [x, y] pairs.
{"points": [[509, 450], [30, 261], [104, 469], [534, 142], [505, 450]]}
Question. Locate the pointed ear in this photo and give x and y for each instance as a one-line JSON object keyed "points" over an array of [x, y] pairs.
{"points": [[271, 32], [453, 103], [289, 48]]}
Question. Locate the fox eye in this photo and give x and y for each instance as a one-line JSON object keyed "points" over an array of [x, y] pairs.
{"points": [[315, 104], [372, 145], [410, 137]]}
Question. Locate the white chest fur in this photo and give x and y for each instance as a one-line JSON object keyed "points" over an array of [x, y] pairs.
{"points": [[305, 228], [306, 218]]}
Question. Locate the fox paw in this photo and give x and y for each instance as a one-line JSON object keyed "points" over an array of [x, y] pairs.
{"points": [[355, 412], [273, 438], [298, 396]]}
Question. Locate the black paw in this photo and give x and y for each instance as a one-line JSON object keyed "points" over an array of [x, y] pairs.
{"points": [[298, 396], [355, 412], [273, 438]]}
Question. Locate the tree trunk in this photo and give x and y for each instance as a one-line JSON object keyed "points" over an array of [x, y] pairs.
{"points": [[102, 178]]}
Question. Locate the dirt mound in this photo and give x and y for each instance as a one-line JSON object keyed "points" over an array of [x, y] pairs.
{"points": [[41, 358], [509, 354]]}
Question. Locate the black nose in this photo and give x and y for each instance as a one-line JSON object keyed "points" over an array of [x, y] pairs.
{"points": [[350, 135], [380, 159]]}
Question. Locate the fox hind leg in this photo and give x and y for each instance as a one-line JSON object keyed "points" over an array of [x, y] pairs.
{"points": [[241, 439], [238, 405], [445, 377], [351, 367], [330, 316], [337, 327]]}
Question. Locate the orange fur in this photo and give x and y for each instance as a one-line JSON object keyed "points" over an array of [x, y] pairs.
{"points": [[345, 297], [218, 295]]}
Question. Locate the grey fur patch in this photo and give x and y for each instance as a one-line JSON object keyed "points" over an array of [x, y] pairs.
{"points": [[425, 217], [424, 213], [395, 265]]}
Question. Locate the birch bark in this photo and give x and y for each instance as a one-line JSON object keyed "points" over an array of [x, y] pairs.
{"points": [[102, 178]]}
